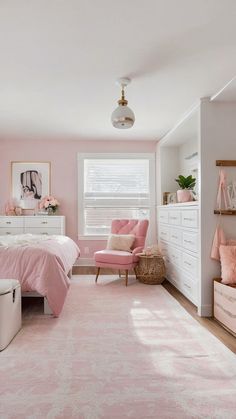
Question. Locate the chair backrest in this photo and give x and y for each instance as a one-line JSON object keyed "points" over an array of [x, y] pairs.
{"points": [[136, 227]]}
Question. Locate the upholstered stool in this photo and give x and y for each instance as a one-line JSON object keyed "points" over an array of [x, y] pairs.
{"points": [[10, 310]]}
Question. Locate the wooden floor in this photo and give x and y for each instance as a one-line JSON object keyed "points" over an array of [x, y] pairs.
{"points": [[209, 323]]}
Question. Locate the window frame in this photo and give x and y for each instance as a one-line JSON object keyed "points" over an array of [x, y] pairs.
{"points": [[138, 156]]}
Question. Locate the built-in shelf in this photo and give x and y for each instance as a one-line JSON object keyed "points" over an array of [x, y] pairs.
{"points": [[225, 212], [226, 163]]}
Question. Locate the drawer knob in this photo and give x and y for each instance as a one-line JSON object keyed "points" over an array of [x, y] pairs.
{"points": [[8, 232], [187, 286], [44, 222], [8, 222]]}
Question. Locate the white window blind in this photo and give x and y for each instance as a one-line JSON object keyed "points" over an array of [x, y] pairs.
{"points": [[114, 188]]}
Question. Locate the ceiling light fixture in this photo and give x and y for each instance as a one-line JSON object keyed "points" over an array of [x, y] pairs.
{"points": [[123, 117]]}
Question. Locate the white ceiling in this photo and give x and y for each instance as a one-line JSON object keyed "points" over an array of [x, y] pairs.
{"points": [[60, 59]]}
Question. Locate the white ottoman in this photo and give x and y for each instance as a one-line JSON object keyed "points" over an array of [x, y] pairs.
{"points": [[10, 310]]}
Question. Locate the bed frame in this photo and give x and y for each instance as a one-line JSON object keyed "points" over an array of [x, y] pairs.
{"points": [[46, 309]]}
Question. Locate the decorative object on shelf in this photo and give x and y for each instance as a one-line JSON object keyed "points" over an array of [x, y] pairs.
{"points": [[185, 194], [10, 207], [150, 269], [226, 195], [49, 204], [172, 198], [165, 198], [153, 250], [123, 117], [30, 181]]}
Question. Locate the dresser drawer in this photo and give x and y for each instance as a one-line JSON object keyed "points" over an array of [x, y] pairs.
{"points": [[163, 216], [175, 256], [10, 230], [175, 236], [43, 230], [175, 217], [189, 288], [189, 218], [41, 221], [11, 221], [190, 241], [190, 264], [164, 232]]}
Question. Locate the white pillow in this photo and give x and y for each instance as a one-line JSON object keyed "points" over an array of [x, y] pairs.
{"points": [[120, 242]]}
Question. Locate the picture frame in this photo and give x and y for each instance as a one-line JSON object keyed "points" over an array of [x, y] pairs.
{"points": [[30, 182], [172, 198]]}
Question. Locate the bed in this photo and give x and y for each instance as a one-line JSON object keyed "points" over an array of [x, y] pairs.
{"points": [[42, 264]]}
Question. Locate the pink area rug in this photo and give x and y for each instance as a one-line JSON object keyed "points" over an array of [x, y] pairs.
{"points": [[116, 352]]}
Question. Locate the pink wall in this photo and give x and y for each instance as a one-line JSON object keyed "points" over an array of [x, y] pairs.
{"points": [[63, 157]]}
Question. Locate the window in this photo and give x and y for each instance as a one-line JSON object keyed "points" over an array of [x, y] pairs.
{"points": [[113, 186]]}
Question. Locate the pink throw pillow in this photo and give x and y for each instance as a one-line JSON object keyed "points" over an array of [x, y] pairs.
{"points": [[228, 264]]}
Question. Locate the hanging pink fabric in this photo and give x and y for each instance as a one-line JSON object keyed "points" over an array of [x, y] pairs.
{"points": [[219, 238], [222, 192]]}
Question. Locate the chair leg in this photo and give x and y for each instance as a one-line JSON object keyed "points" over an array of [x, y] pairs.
{"points": [[135, 272], [119, 273], [126, 277], [98, 270]]}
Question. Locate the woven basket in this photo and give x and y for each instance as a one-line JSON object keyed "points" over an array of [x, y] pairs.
{"points": [[150, 270]]}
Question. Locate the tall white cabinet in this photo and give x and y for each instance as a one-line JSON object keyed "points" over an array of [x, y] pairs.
{"points": [[178, 230], [207, 134]]}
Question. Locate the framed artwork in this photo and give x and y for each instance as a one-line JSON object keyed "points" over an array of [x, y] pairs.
{"points": [[172, 198], [30, 182]]}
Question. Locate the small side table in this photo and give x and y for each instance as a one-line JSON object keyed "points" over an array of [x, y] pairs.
{"points": [[150, 269]]}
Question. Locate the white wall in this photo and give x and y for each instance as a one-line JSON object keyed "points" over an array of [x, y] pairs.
{"points": [[218, 142]]}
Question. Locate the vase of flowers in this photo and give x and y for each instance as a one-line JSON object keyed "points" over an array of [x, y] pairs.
{"points": [[49, 204]]}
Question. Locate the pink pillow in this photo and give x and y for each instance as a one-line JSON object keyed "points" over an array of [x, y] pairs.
{"points": [[228, 264]]}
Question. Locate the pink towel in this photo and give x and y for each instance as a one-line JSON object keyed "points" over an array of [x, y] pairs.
{"points": [[219, 238]]}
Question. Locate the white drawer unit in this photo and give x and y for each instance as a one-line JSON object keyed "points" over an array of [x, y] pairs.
{"points": [[190, 241], [163, 216], [10, 230], [175, 256], [11, 222], [178, 236], [174, 217], [175, 236], [164, 232], [53, 224], [190, 264], [189, 218]]}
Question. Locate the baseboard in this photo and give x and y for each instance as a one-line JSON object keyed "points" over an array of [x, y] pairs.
{"points": [[85, 262]]}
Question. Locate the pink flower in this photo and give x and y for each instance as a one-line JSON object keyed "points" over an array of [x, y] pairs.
{"points": [[48, 201]]}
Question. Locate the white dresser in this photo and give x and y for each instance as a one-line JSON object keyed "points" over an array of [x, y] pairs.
{"points": [[178, 236], [53, 224]]}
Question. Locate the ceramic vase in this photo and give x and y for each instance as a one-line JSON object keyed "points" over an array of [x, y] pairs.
{"points": [[184, 195]]}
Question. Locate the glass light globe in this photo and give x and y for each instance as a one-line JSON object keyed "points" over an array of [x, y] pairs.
{"points": [[122, 117]]}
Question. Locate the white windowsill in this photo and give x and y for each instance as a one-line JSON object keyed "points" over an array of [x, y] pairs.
{"points": [[103, 238]]}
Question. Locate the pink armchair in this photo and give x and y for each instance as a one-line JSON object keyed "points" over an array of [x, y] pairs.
{"points": [[118, 259]]}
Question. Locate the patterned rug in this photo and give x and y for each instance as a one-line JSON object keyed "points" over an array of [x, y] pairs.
{"points": [[116, 352]]}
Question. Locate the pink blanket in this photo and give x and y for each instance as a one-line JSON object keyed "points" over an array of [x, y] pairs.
{"points": [[42, 266]]}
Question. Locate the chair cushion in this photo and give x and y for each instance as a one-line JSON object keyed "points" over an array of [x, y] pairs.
{"points": [[115, 257]]}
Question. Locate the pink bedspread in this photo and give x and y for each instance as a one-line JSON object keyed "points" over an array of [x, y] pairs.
{"points": [[41, 267]]}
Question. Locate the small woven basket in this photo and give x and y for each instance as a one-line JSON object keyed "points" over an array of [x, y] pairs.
{"points": [[150, 270]]}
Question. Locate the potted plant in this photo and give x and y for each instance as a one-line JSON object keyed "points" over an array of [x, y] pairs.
{"points": [[185, 194]]}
